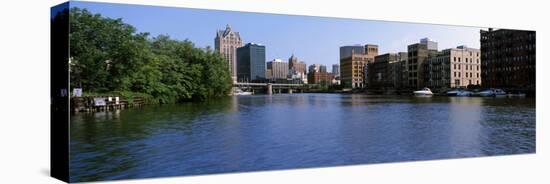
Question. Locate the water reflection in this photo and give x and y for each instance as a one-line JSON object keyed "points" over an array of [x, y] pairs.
{"points": [[250, 133]]}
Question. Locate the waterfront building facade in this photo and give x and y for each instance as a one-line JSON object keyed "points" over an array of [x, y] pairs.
{"points": [[508, 59], [251, 63], [279, 69], [386, 71], [418, 55], [226, 43], [454, 68]]}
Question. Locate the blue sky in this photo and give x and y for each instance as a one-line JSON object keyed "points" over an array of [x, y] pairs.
{"points": [[316, 40]]}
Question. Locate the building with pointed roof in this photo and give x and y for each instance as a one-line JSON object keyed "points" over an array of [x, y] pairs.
{"points": [[226, 43]]}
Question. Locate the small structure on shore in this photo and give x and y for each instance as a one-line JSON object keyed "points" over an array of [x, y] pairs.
{"points": [[103, 103]]}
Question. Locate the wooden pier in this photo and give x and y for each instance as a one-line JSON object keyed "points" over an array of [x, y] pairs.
{"points": [[103, 103]]}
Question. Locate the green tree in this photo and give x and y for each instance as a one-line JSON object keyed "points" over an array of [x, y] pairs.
{"points": [[109, 56]]}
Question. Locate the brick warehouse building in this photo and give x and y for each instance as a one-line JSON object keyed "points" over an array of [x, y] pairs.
{"points": [[508, 59]]}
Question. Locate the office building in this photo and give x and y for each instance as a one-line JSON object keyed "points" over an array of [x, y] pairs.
{"points": [[295, 66], [508, 59], [226, 43], [417, 58], [251, 63], [336, 70], [353, 64], [279, 69], [320, 77], [454, 68], [386, 71]]}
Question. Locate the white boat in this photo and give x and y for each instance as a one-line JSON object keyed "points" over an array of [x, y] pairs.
{"points": [[464, 93], [492, 92], [459, 92], [238, 91], [488, 92], [426, 92]]}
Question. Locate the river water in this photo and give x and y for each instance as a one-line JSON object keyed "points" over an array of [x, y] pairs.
{"points": [[253, 133]]}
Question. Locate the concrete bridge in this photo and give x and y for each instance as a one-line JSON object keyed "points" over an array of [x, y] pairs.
{"points": [[270, 88]]}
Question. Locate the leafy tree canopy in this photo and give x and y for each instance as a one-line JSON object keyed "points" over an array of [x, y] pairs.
{"points": [[108, 55]]}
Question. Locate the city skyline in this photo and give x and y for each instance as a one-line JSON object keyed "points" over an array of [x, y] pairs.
{"points": [[284, 35]]}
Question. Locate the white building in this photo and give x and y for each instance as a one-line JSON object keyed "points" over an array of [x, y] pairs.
{"points": [[455, 68]]}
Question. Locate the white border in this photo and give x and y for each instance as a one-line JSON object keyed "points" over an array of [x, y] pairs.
{"points": [[24, 75]]}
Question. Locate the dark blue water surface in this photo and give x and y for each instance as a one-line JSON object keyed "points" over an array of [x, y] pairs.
{"points": [[252, 133]]}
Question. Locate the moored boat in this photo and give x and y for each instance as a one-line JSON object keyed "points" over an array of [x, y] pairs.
{"points": [[459, 92], [238, 91], [492, 92], [453, 92], [465, 93], [425, 92]]}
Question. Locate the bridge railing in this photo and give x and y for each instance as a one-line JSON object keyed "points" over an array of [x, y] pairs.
{"points": [[265, 84]]}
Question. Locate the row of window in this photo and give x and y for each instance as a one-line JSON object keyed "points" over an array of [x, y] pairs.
{"points": [[470, 67], [471, 60], [468, 74]]}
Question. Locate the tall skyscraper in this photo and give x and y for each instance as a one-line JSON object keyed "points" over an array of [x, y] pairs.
{"points": [[251, 63], [508, 59], [226, 43]]}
